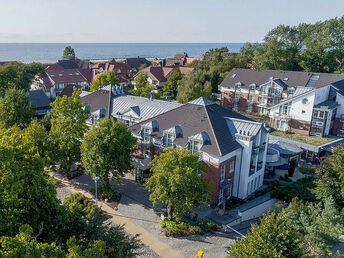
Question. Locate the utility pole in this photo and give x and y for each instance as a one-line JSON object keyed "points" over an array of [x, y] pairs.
{"points": [[96, 183]]}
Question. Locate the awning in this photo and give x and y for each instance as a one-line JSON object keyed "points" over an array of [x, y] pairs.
{"points": [[142, 164]]}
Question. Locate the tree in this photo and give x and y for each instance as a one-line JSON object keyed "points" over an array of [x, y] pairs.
{"points": [[318, 226], [107, 150], [19, 76], [103, 79], [142, 87], [178, 182], [37, 138], [274, 237], [93, 227], [330, 178], [26, 197], [68, 125], [68, 53], [15, 108], [171, 86]]}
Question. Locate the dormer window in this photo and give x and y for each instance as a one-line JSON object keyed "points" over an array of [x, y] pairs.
{"points": [[194, 146], [146, 134], [168, 139], [233, 75]]}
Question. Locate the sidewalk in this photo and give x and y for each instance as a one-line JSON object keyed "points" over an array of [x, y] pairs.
{"points": [[148, 239]]}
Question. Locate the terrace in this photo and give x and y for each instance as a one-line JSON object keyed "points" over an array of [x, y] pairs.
{"points": [[311, 140]]}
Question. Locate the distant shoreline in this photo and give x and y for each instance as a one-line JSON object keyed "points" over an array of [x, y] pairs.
{"points": [[51, 52]]}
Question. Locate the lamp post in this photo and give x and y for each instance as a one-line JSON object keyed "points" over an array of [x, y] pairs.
{"points": [[96, 180]]}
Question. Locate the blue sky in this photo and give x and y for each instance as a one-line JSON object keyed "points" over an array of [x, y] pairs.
{"points": [[155, 20]]}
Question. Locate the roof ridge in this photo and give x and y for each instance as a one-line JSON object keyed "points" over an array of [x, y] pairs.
{"points": [[212, 130]]}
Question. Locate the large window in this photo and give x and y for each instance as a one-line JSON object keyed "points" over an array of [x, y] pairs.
{"points": [[231, 167], [169, 140], [223, 173], [194, 146], [146, 134]]}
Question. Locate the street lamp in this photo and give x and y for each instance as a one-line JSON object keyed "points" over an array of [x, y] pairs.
{"points": [[96, 180]]}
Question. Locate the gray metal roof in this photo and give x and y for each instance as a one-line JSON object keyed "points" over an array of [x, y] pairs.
{"points": [[285, 148], [243, 127], [202, 101], [144, 108], [39, 99]]}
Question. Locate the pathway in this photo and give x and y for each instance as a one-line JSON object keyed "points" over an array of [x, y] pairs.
{"points": [[148, 239]]}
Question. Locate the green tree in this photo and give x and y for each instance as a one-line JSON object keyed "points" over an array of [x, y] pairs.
{"points": [[104, 79], [177, 181], [107, 150], [25, 195], [68, 125], [274, 237], [142, 86], [68, 53], [19, 76], [171, 86], [330, 178], [15, 108], [37, 138], [24, 245], [318, 226], [117, 242]]}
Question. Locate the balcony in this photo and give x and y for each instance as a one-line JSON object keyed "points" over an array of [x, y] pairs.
{"points": [[225, 183], [340, 133], [278, 116]]}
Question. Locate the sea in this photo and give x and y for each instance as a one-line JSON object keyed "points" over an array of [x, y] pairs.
{"points": [[51, 52]]}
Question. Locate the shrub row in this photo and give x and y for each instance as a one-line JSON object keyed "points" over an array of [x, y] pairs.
{"points": [[173, 228], [104, 192]]}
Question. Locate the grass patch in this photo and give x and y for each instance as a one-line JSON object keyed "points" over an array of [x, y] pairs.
{"points": [[173, 228], [257, 117], [312, 140]]}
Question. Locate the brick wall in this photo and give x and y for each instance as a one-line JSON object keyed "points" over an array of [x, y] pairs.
{"points": [[227, 100], [213, 176], [337, 126]]}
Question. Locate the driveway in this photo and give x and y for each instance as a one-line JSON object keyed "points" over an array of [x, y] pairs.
{"points": [[136, 206]]}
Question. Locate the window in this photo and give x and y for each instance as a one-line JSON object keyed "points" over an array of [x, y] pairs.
{"points": [[146, 134], [233, 75], [223, 173], [251, 186], [221, 196], [194, 146], [231, 167], [249, 108], [169, 140], [236, 96], [235, 106], [321, 114], [303, 112], [255, 183], [305, 101], [250, 98], [248, 188], [259, 183]]}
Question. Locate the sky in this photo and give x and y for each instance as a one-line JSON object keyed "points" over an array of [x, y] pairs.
{"points": [[110, 21]]}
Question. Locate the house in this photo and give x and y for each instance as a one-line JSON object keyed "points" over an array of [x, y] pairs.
{"points": [[57, 79], [316, 111], [113, 101], [70, 64], [40, 102], [68, 90], [158, 75], [231, 146], [123, 71], [258, 90], [137, 62]]}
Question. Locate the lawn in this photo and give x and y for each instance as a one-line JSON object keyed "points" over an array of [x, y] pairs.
{"points": [[312, 140]]}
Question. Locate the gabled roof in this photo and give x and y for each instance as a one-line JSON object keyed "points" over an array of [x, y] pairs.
{"points": [[162, 72], [99, 99], [136, 62], [202, 101], [68, 90], [204, 121], [39, 99], [68, 76], [290, 78]]}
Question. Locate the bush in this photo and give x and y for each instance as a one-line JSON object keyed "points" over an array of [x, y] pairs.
{"points": [[307, 171], [211, 226], [196, 230], [104, 192], [302, 189], [173, 228]]}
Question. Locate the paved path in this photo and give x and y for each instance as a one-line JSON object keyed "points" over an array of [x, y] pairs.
{"points": [[148, 239]]}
